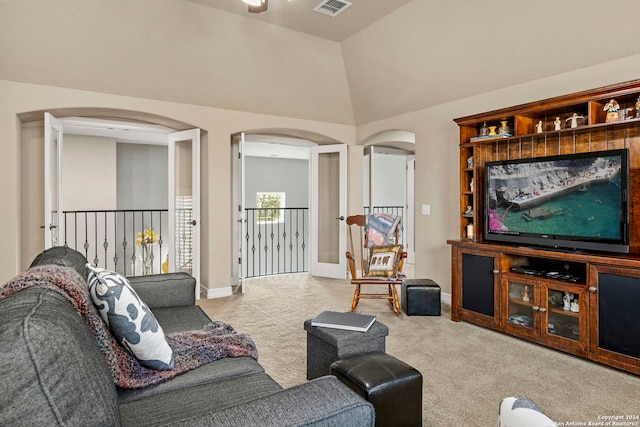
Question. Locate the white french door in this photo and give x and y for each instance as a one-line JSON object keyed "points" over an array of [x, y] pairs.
{"points": [[184, 203], [53, 136], [239, 244], [409, 222], [328, 178]]}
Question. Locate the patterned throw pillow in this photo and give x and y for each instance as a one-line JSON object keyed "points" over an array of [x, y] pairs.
{"points": [[522, 412], [129, 319], [384, 261]]}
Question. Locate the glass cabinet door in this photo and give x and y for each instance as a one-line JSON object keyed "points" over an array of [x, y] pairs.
{"points": [[521, 305], [563, 312]]}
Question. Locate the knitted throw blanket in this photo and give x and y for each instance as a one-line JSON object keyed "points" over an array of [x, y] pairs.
{"points": [[190, 349]]}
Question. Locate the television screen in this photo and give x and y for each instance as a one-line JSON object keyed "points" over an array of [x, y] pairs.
{"points": [[574, 201]]}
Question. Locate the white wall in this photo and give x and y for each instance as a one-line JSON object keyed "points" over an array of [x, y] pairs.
{"points": [[265, 174], [142, 178], [89, 173], [437, 177], [389, 179], [22, 211]]}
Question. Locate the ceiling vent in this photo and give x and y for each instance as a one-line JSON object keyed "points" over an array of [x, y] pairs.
{"points": [[332, 7]]}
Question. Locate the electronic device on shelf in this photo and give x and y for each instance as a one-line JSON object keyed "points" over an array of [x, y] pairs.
{"points": [[552, 274], [577, 201], [528, 270]]}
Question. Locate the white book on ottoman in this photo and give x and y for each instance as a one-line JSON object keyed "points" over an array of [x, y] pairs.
{"points": [[349, 321]]}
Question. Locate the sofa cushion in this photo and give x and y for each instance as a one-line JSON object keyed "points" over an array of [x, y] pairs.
{"points": [[322, 402], [190, 402], [130, 320], [165, 290], [51, 368], [64, 257], [219, 370], [180, 319]]}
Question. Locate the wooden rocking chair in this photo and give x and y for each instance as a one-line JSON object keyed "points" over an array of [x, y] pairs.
{"points": [[359, 258]]}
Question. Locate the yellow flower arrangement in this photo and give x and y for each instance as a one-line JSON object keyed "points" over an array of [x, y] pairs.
{"points": [[146, 237]]}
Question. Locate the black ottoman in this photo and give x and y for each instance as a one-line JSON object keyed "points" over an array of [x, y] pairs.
{"points": [[393, 387], [420, 297], [326, 345]]}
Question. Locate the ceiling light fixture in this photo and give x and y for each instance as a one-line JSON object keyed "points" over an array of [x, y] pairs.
{"points": [[257, 6]]}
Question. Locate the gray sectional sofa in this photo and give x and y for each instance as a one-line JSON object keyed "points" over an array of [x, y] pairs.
{"points": [[53, 373]]}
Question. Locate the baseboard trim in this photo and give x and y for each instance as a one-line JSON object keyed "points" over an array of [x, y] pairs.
{"points": [[445, 298], [218, 292], [228, 291]]}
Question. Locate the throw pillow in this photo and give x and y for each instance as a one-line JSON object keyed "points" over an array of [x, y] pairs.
{"points": [[522, 412], [384, 261], [129, 319]]}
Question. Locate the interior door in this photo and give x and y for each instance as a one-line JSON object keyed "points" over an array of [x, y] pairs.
{"points": [[53, 133], [238, 269], [328, 170], [184, 203], [409, 220]]}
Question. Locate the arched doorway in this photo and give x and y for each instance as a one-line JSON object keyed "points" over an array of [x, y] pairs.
{"points": [[389, 166], [279, 228], [100, 195]]}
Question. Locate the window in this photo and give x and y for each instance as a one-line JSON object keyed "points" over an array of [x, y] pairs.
{"points": [[271, 207]]}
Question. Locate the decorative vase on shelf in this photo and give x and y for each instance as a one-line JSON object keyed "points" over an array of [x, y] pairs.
{"points": [[492, 130], [484, 129], [504, 128]]}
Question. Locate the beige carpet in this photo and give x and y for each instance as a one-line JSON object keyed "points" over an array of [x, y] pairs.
{"points": [[466, 369]]}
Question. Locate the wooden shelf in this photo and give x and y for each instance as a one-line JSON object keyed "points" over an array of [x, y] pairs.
{"points": [[481, 270], [563, 312]]}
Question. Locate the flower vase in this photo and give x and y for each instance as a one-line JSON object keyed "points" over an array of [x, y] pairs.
{"points": [[147, 258]]}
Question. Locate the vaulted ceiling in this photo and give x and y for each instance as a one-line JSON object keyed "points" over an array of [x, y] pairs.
{"points": [[299, 15], [375, 60], [406, 55]]}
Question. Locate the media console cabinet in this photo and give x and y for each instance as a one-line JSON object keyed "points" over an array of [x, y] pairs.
{"points": [[586, 304]]}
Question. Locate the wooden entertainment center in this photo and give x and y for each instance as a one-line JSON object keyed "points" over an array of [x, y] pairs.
{"points": [[592, 307]]}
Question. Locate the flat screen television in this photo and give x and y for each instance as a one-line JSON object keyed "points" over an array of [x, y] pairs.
{"points": [[567, 202]]}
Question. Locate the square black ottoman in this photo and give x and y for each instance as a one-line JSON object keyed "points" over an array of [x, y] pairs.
{"points": [[392, 386], [420, 297], [326, 345]]}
